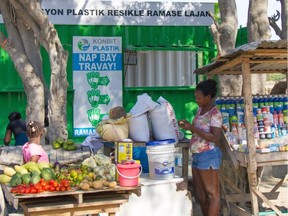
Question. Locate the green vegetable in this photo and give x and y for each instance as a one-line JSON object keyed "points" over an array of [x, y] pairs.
{"points": [[26, 178], [47, 174], [15, 181], [34, 172], [4, 178], [35, 179]]}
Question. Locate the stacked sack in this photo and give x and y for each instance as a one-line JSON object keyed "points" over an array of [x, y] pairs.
{"points": [[147, 120], [151, 119]]}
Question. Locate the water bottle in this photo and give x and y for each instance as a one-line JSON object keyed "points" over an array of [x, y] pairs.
{"points": [[240, 115], [285, 111], [241, 103], [275, 119], [280, 119], [225, 119], [261, 102], [276, 101], [255, 105], [218, 103]]}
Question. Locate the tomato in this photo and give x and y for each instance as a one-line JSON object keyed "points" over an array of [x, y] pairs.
{"points": [[65, 182], [46, 187], [51, 181], [44, 183], [51, 189], [68, 188], [62, 188], [13, 190], [40, 190], [33, 190], [27, 191], [55, 184], [38, 186], [22, 190], [57, 188]]}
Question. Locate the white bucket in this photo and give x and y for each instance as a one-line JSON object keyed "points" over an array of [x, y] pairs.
{"points": [[161, 158]]}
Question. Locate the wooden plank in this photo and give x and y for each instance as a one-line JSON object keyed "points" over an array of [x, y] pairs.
{"points": [[270, 204], [268, 61], [226, 66], [279, 184], [224, 140], [236, 210], [248, 112]]}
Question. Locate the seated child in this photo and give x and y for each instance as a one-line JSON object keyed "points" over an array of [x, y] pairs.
{"points": [[32, 150]]}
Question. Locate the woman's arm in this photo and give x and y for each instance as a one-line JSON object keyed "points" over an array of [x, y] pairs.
{"points": [[213, 136], [35, 158], [8, 136]]}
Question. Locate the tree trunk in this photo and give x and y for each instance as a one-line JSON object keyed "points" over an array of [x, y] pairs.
{"points": [[258, 30], [32, 82], [28, 27], [224, 35]]}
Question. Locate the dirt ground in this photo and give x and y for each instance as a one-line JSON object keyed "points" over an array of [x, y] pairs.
{"points": [[265, 186]]}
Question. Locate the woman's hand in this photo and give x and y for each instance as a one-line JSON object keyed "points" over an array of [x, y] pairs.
{"points": [[184, 124]]}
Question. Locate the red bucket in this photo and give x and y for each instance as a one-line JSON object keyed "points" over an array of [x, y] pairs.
{"points": [[128, 174]]}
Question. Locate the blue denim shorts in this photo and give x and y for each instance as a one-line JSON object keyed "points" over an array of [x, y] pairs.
{"points": [[207, 159]]}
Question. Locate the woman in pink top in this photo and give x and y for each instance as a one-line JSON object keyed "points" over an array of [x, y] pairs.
{"points": [[206, 154], [32, 150]]}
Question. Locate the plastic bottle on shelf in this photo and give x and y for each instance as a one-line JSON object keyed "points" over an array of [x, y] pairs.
{"points": [[218, 103], [285, 110], [240, 115], [255, 105], [280, 119], [273, 131], [225, 119], [261, 102], [275, 101], [233, 120], [275, 119], [270, 115]]}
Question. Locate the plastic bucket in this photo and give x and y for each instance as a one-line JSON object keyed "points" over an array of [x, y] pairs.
{"points": [[128, 174], [160, 145], [161, 158]]}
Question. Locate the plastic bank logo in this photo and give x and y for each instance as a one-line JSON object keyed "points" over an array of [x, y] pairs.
{"points": [[83, 45]]}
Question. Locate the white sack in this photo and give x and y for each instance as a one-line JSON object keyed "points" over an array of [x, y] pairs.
{"points": [[164, 122], [139, 128], [144, 104]]}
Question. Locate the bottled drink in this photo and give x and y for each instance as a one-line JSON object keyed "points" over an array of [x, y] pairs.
{"points": [[285, 114], [280, 119], [240, 115], [261, 102], [275, 119], [218, 103], [225, 119]]}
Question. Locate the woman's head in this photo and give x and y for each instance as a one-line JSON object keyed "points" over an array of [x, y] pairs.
{"points": [[34, 129], [14, 116], [205, 92]]}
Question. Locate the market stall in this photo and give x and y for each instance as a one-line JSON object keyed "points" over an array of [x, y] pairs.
{"points": [[253, 58], [125, 200]]}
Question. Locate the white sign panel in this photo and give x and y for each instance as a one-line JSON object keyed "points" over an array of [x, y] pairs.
{"points": [[95, 12], [97, 80]]}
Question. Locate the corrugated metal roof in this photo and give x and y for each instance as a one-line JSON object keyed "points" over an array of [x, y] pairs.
{"points": [[265, 57]]}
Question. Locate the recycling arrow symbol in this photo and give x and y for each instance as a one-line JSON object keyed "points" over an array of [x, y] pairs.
{"points": [[94, 79]]}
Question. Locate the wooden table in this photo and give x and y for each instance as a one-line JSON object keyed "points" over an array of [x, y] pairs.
{"points": [[183, 144], [74, 202]]}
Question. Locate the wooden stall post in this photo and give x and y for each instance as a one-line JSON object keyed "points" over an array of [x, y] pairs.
{"points": [[248, 109]]}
